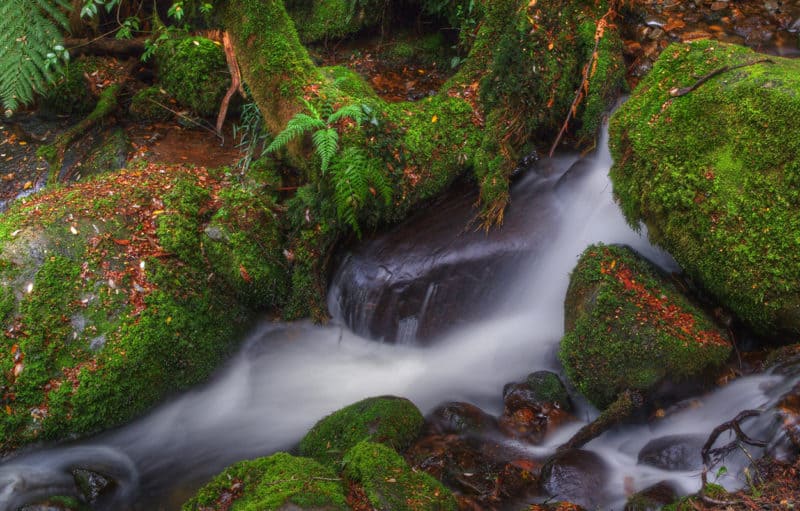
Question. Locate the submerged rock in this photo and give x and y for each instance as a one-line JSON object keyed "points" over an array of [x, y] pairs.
{"points": [[583, 475], [391, 420], [459, 418], [280, 481], [674, 452], [628, 328], [710, 166]]}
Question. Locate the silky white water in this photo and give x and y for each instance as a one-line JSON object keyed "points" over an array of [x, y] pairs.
{"points": [[287, 376]]}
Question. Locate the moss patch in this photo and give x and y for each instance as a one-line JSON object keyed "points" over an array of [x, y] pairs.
{"points": [[390, 484], [280, 481], [627, 328], [714, 175], [390, 420]]}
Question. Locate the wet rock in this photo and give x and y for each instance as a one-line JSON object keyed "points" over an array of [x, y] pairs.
{"points": [[653, 498], [555, 506], [788, 415], [576, 476], [92, 484], [458, 418], [627, 328], [673, 452], [534, 407]]}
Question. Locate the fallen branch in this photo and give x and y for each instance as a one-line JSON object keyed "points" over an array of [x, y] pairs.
{"points": [[627, 403], [682, 91], [741, 436], [104, 47], [588, 72], [236, 80]]}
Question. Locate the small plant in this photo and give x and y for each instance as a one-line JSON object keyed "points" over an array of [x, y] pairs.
{"points": [[251, 134]]}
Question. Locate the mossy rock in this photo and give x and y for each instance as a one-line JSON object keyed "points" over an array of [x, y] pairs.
{"points": [[146, 105], [390, 484], [70, 94], [320, 20], [277, 482], [193, 70], [105, 311], [108, 154], [390, 420], [714, 174], [628, 328]]}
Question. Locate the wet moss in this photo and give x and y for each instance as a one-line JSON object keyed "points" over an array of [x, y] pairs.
{"points": [[390, 484], [626, 328], [714, 174], [390, 420], [146, 105], [193, 70], [320, 20], [280, 481], [70, 94]]}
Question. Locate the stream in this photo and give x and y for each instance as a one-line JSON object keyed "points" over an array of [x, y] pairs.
{"points": [[287, 376]]}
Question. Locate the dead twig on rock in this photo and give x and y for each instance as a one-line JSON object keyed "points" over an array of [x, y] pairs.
{"points": [[682, 91]]}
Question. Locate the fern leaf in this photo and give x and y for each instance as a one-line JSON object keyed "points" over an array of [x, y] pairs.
{"points": [[327, 143], [29, 32], [355, 112], [296, 126]]}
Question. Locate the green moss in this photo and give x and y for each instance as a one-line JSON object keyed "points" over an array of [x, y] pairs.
{"points": [[713, 175], [319, 20], [390, 484], [280, 481], [390, 420], [70, 94], [146, 105], [627, 328], [548, 388], [110, 154], [193, 70]]}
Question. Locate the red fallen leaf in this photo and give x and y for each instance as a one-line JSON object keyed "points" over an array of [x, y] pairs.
{"points": [[245, 276], [122, 242]]}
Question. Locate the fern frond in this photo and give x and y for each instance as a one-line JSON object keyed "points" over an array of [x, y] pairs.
{"points": [[296, 126], [311, 108], [327, 143], [351, 188], [29, 33], [355, 112]]}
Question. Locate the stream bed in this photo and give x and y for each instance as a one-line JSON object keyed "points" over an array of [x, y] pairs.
{"points": [[409, 287]]}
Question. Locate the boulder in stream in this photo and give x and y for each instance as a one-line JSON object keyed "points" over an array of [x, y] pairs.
{"points": [[534, 406], [108, 299], [394, 421], [628, 328], [583, 475], [706, 156]]}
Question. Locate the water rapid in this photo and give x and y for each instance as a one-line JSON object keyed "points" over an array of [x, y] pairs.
{"points": [[287, 376]]}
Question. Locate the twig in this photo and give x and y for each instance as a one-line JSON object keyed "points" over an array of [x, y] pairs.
{"points": [[734, 425], [187, 118], [682, 91]]}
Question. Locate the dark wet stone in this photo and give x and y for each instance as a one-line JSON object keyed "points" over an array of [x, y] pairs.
{"points": [[674, 452], [459, 418], [534, 407], [92, 484], [576, 476], [653, 498]]}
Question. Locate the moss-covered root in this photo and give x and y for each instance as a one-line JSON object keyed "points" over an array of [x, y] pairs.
{"points": [[628, 328], [391, 420], [107, 103], [280, 481], [389, 484], [617, 412]]}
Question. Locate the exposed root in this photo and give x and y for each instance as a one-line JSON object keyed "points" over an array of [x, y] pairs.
{"points": [[627, 403]]}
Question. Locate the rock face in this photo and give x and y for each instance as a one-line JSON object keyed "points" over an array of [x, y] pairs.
{"points": [[714, 174], [280, 481], [627, 328], [108, 301], [391, 420]]}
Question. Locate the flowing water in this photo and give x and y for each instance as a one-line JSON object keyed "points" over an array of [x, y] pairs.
{"points": [[287, 376]]}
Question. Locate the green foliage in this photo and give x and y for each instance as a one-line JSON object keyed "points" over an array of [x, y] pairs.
{"points": [[280, 481], [354, 176], [252, 135], [30, 48], [390, 420], [390, 484]]}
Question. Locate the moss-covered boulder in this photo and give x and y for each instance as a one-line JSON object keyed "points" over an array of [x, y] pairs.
{"points": [[146, 105], [70, 94], [193, 70], [280, 481], [389, 484], [628, 328], [390, 420], [714, 174], [108, 301]]}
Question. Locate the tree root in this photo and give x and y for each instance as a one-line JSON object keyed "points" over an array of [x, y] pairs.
{"points": [[627, 403]]}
